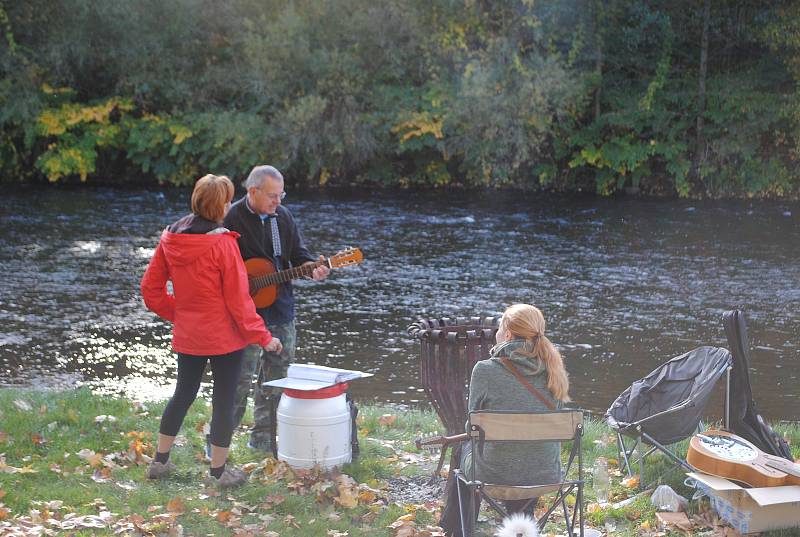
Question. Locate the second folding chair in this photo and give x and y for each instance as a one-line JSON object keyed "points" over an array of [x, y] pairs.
{"points": [[665, 407]]}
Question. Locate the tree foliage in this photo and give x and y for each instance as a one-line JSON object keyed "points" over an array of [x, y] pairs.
{"points": [[567, 95]]}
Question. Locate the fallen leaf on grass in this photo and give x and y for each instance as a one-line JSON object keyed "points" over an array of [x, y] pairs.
{"points": [[348, 491], [101, 476], [138, 446], [631, 482], [403, 527], [94, 459], [6, 469], [633, 515], [335, 533], [367, 495], [593, 508], [387, 420], [3, 437], [176, 505]]}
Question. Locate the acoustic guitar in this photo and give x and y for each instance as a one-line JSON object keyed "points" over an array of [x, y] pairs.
{"points": [[724, 454], [264, 279]]}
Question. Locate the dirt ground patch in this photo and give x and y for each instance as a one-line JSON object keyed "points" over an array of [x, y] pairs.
{"points": [[416, 489]]}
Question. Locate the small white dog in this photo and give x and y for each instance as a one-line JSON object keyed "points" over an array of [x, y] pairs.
{"points": [[518, 525]]}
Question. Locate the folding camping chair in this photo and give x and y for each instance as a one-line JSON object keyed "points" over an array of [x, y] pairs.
{"points": [[665, 407], [509, 426]]}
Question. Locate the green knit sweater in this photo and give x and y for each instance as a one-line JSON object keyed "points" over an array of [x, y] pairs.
{"points": [[494, 387]]}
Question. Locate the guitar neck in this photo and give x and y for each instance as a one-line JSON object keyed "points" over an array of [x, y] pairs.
{"points": [[283, 276], [783, 465]]}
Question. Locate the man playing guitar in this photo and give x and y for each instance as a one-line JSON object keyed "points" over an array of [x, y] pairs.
{"points": [[268, 231]]}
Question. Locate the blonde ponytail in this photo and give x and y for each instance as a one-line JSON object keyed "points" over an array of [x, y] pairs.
{"points": [[557, 377], [524, 321]]}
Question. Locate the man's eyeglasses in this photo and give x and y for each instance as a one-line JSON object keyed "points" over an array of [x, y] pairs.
{"points": [[274, 196]]}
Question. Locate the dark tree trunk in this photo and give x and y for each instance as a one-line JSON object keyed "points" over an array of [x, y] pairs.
{"points": [[700, 142], [598, 59]]}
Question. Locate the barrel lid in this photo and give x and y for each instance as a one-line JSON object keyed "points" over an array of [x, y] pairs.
{"points": [[322, 393]]}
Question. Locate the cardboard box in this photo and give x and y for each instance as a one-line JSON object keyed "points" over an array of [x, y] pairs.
{"points": [[751, 510]]}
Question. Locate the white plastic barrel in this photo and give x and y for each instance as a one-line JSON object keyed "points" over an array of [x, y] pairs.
{"points": [[314, 428]]}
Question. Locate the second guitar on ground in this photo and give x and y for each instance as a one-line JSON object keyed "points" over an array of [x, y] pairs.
{"points": [[264, 279]]}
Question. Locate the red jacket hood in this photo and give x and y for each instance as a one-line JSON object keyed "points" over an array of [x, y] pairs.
{"points": [[184, 248]]}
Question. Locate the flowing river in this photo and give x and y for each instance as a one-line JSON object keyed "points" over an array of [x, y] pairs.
{"points": [[625, 284]]}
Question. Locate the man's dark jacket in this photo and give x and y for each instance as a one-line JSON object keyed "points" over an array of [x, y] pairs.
{"points": [[256, 241]]}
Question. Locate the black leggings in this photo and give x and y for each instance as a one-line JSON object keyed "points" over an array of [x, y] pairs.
{"points": [[225, 370]]}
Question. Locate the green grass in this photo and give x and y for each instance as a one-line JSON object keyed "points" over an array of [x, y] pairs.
{"points": [[42, 433]]}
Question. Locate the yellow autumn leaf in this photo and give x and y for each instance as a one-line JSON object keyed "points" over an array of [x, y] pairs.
{"points": [[324, 175], [367, 496], [26, 470], [347, 490]]}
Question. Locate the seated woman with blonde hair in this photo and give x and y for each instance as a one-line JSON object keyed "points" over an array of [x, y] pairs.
{"points": [[522, 353]]}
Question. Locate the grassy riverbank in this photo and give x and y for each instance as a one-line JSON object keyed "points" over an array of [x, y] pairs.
{"points": [[74, 462]]}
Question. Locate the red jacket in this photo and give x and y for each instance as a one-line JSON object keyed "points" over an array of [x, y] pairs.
{"points": [[211, 309]]}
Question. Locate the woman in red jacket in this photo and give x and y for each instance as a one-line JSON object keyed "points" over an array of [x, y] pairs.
{"points": [[213, 318]]}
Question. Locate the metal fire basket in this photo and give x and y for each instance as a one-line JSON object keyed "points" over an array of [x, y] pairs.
{"points": [[449, 349]]}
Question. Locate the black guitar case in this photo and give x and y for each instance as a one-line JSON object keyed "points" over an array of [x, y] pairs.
{"points": [[745, 420]]}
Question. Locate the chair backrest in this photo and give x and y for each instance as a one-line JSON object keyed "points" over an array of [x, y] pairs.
{"points": [[669, 402], [555, 425]]}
